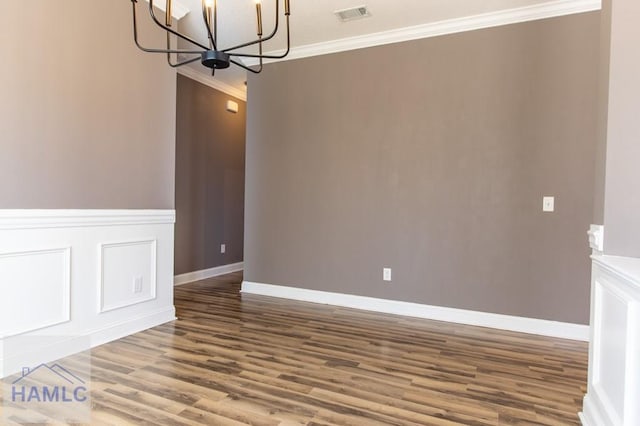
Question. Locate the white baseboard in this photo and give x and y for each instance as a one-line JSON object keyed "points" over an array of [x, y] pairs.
{"points": [[593, 414], [438, 313], [131, 326], [57, 347], [190, 277]]}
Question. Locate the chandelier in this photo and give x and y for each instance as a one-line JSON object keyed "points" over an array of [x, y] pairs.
{"points": [[210, 54]]}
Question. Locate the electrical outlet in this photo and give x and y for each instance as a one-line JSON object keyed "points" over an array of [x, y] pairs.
{"points": [[223, 248], [137, 284], [386, 274]]}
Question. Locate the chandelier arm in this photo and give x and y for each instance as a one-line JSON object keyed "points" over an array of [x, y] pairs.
{"points": [[269, 37], [249, 55], [246, 67], [150, 50], [179, 64], [169, 41], [210, 56], [206, 16], [164, 27], [261, 56], [260, 52]]}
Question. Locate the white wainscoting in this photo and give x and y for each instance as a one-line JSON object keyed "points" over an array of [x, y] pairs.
{"points": [[613, 389], [438, 313], [203, 274], [72, 276]]}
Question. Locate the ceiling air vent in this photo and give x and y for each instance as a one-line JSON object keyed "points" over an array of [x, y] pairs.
{"points": [[352, 13]]}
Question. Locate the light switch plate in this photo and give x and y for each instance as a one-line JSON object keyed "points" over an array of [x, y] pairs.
{"points": [[548, 204], [137, 284]]}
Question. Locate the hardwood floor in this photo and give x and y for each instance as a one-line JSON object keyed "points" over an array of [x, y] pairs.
{"points": [[243, 359]]}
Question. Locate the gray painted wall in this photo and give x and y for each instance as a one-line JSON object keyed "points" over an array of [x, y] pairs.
{"points": [[86, 119], [622, 199], [431, 157], [210, 148]]}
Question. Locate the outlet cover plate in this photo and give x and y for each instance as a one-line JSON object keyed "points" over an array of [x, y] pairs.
{"points": [[386, 274]]}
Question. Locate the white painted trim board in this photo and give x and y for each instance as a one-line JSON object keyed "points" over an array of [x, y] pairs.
{"points": [[64, 218], [203, 274], [437, 313]]}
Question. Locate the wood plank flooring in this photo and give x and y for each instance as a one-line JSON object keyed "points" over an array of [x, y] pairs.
{"points": [[236, 359]]}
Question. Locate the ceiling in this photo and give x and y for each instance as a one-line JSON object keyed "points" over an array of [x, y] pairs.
{"points": [[316, 30]]}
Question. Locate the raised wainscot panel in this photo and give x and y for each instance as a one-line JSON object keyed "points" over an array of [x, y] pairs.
{"points": [[610, 357], [36, 290], [127, 274]]}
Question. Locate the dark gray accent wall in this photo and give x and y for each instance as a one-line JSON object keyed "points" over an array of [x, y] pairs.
{"points": [[431, 157], [210, 154], [622, 198], [86, 119]]}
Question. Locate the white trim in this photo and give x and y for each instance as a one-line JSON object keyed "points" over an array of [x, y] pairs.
{"points": [[33, 218], [625, 269], [66, 346], [207, 80], [438, 313], [178, 10], [190, 277], [450, 26], [131, 326], [591, 414]]}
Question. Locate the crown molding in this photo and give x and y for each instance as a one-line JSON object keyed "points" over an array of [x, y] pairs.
{"points": [[450, 26], [178, 10], [213, 83]]}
